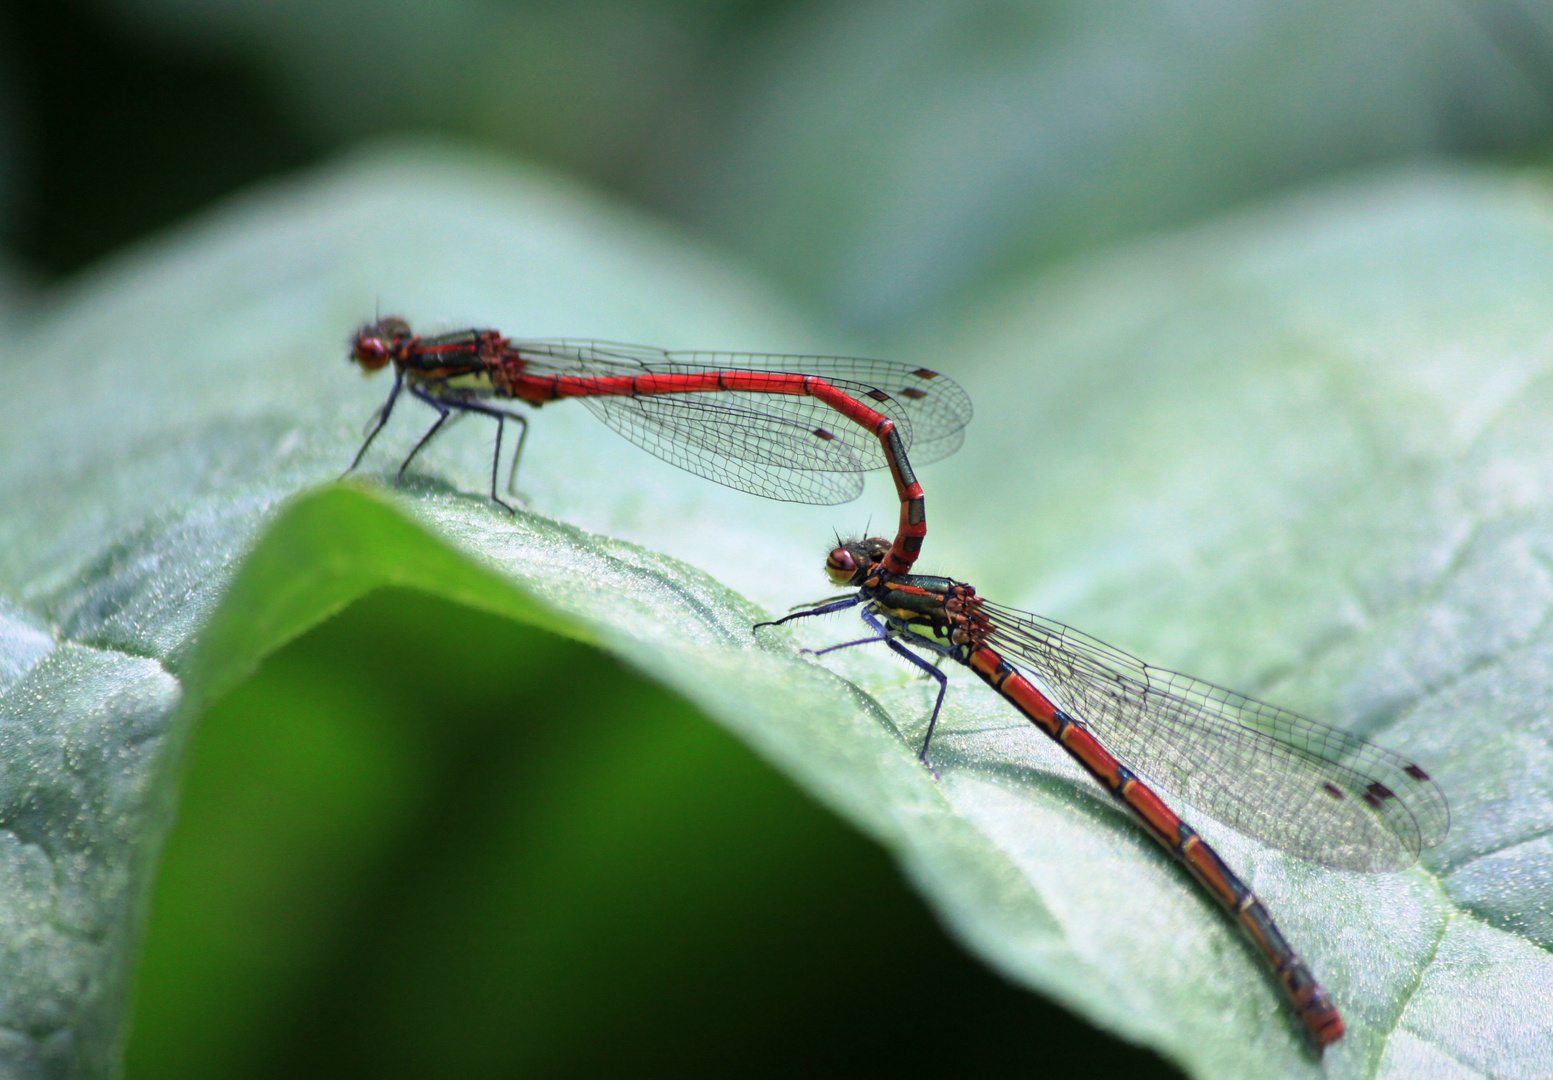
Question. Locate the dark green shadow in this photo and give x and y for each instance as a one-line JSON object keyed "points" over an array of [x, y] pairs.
{"points": [[429, 841]]}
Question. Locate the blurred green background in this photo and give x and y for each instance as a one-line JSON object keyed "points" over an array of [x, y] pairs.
{"points": [[509, 856]]}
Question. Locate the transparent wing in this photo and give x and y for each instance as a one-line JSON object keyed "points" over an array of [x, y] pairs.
{"points": [[750, 448], [781, 446], [1295, 784]]}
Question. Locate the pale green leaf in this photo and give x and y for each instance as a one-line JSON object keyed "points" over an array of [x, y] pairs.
{"points": [[1301, 451]]}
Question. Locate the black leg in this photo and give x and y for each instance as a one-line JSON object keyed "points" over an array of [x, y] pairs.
{"points": [[512, 477], [374, 421], [915, 659], [849, 644], [443, 413], [882, 633], [446, 406], [501, 416], [382, 418], [943, 686], [823, 609], [501, 422]]}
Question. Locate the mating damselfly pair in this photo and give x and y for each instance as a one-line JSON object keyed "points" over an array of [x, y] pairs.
{"points": [[804, 429]]}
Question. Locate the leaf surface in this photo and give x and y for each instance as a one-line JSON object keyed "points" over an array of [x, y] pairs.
{"points": [[1301, 451]]}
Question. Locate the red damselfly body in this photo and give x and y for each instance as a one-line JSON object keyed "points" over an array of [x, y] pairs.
{"points": [[768, 425], [1293, 783]]}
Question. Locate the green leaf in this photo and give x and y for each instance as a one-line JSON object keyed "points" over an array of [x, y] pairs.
{"points": [[1300, 451]]}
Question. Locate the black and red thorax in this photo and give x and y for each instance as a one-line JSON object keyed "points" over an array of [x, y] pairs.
{"points": [[471, 362], [939, 608]]}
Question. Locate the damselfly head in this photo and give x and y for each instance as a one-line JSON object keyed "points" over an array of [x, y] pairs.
{"points": [[378, 342], [851, 561]]}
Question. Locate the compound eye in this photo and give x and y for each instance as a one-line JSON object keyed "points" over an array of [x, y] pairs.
{"points": [[370, 352], [841, 565]]}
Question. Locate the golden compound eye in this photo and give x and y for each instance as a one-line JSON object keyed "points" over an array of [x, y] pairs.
{"points": [[840, 565]]}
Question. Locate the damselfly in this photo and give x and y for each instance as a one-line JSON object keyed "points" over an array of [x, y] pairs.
{"points": [[1298, 785], [768, 425]]}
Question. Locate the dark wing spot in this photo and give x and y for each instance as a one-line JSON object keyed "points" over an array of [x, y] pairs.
{"points": [[914, 395], [1416, 773], [1333, 790], [822, 433], [1372, 800], [878, 395], [1380, 790], [925, 373]]}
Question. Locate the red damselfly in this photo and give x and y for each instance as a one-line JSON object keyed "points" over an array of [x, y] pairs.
{"points": [[1300, 786], [762, 424]]}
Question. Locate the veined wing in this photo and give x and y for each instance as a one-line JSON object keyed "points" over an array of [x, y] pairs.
{"points": [[1296, 784], [772, 444]]}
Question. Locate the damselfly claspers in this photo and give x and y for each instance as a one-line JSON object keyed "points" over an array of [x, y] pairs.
{"points": [[1298, 785]]}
